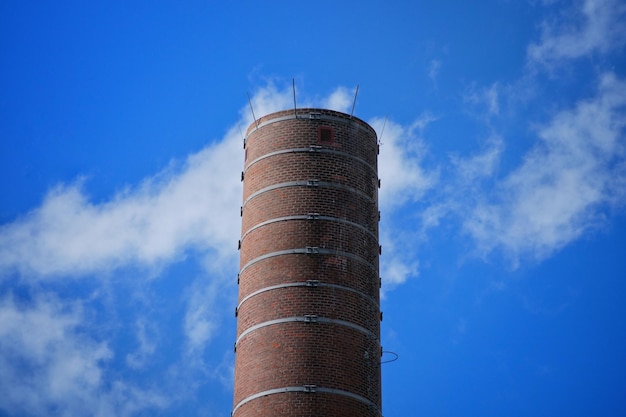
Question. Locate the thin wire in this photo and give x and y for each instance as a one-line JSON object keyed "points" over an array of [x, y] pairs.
{"points": [[252, 110], [293, 85], [396, 356], [380, 138], [354, 103]]}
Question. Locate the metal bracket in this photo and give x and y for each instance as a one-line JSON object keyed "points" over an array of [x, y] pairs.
{"points": [[312, 283], [315, 115], [314, 148], [312, 249], [310, 388], [310, 318], [313, 216], [313, 183]]}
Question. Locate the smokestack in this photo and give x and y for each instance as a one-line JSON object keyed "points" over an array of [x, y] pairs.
{"points": [[308, 318]]}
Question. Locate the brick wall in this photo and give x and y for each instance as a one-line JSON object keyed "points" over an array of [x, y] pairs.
{"points": [[308, 319]]}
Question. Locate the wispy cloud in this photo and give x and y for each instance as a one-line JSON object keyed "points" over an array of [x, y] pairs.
{"points": [[400, 163], [269, 99], [47, 363], [207, 300], [575, 170], [146, 344], [149, 225], [564, 184], [404, 180], [397, 264], [433, 70], [341, 100], [484, 102], [598, 27], [483, 164]]}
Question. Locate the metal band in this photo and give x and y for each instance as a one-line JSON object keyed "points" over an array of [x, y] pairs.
{"points": [[309, 251], [308, 183], [310, 217], [307, 284], [313, 115], [312, 148], [306, 319], [308, 389]]}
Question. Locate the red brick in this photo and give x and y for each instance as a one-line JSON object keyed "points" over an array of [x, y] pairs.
{"points": [[341, 351]]}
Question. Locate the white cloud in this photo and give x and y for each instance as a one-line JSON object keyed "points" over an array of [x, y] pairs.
{"points": [[149, 225], [404, 180], [396, 265], [340, 100], [47, 364], [146, 345], [267, 100], [564, 183], [480, 165], [485, 101], [206, 302], [598, 27], [577, 168], [400, 162], [433, 70]]}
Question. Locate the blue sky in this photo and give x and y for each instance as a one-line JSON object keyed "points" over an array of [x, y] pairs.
{"points": [[503, 167]]}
